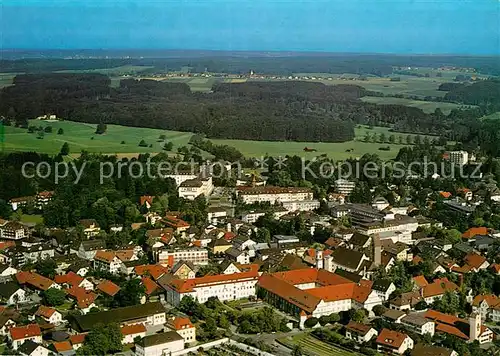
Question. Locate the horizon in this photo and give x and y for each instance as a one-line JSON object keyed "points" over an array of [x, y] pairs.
{"points": [[403, 27]]}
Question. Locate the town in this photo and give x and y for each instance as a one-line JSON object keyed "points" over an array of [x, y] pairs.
{"points": [[354, 269]]}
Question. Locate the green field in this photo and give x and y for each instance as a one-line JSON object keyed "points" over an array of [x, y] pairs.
{"points": [[426, 106], [314, 347], [34, 219], [495, 116], [81, 136]]}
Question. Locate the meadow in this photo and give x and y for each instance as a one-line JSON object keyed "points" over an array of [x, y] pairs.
{"points": [[314, 347], [426, 106]]}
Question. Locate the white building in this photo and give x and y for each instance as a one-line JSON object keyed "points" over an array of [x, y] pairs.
{"points": [[343, 186], [301, 205], [360, 333], [13, 231], [389, 341], [183, 327], [419, 324], [130, 332], [197, 256], [181, 177], [50, 315], [273, 195], [190, 189], [160, 344], [18, 335], [459, 157], [231, 285]]}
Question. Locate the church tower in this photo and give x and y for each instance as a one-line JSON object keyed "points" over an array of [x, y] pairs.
{"points": [[475, 326], [319, 259]]}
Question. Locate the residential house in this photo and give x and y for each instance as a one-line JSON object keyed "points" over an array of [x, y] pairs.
{"points": [[19, 202], [488, 306], [384, 287], [160, 344], [32, 348], [154, 271], [84, 299], [50, 315], [152, 289], [360, 333], [427, 350], [419, 324], [190, 189], [241, 257], [406, 301], [89, 248], [13, 231], [72, 279], [183, 327], [35, 281], [12, 294], [178, 225], [393, 342], [6, 270], [109, 288], [20, 334], [90, 227], [63, 348], [77, 340], [220, 246], [8, 319], [130, 332], [183, 270], [477, 262], [475, 231], [38, 252]]}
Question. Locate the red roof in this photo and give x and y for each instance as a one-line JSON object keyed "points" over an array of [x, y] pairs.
{"points": [[491, 299], [70, 278], [420, 281], [84, 298], [45, 312], [475, 231], [150, 285], [62, 346], [179, 323], [77, 339], [229, 236], [6, 244], [104, 256], [445, 194], [439, 287], [155, 271], [175, 222], [133, 329], [450, 324], [108, 287], [390, 338], [495, 267], [146, 198], [34, 280], [474, 260], [23, 332]]}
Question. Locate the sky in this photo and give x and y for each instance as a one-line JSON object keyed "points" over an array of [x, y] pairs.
{"points": [[373, 26]]}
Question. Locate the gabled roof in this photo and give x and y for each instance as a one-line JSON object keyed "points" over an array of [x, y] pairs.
{"points": [[155, 271], [70, 278], [8, 289], [451, 324], [474, 260], [34, 279], [491, 299], [108, 287], [382, 284], [474, 231], [84, 298], [93, 245], [347, 258], [358, 328], [425, 350], [28, 347], [420, 281], [45, 312], [181, 263], [62, 346], [23, 332], [77, 339], [439, 287], [159, 339], [150, 285], [133, 329], [390, 338], [179, 323]]}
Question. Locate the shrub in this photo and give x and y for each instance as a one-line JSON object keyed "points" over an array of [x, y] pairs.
{"points": [[309, 323]]}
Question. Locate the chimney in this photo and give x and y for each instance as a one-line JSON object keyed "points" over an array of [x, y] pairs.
{"points": [[377, 250]]}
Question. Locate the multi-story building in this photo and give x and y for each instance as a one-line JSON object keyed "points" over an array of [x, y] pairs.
{"points": [[419, 324], [231, 285], [169, 257], [273, 195], [190, 189], [19, 335], [161, 344], [344, 187], [314, 292], [183, 327], [301, 205], [488, 306], [43, 198], [182, 176], [13, 231], [458, 157], [393, 342], [360, 333]]}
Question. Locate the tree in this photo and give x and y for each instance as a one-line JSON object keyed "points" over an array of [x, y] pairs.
{"points": [[422, 305], [102, 340], [143, 143], [46, 267], [392, 139], [60, 131], [409, 139], [379, 310], [40, 135], [168, 146], [357, 315], [48, 129], [54, 297], [131, 293], [162, 137], [382, 138], [65, 149], [101, 128], [309, 323], [297, 351]]}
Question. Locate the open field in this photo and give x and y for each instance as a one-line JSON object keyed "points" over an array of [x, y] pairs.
{"points": [[81, 136], [117, 71], [495, 116], [32, 219], [426, 106], [314, 347]]}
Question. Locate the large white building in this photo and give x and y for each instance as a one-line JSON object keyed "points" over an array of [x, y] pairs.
{"points": [[160, 344], [459, 157], [236, 282], [190, 189], [343, 186], [195, 255], [273, 195], [301, 205], [182, 176]]}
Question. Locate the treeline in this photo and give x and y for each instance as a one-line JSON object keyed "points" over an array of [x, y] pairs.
{"points": [[484, 93]]}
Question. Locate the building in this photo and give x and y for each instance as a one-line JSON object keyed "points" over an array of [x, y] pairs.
{"points": [[425, 350], [12, 294], [231, 285], [488, 306], [149, 314], [360, 333], [183, 270], [20, 334], [90, 227], [36, 281], [301, 205], [182, 176], [344, 187], [160, 344], [130, 332], [458, 157], [17, 203], [183, 327], [467, 330], [13, 231], [190, 189], [308, 292], [50, 315], [273, 195], [43, 198], [34, 253], [393, 342], [419, 324], [197, 256], [31, 348], [88, 248]]}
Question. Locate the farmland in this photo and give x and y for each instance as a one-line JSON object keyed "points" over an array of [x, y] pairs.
{"points": [[124, 141], [426, 106], [314, 347]]}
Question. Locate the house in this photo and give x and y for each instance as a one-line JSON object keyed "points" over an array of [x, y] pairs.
{"points": [[43, 198], [225, 286], [84, 299], [88, 248], [389, 341], [71, 279], [109, 288], [149, 314], [394, 316], [419, 324], [426, 350], [243, 242], [195, 255], [384, 287], [90, 227], [152, 289], [436, 290], [495, 268], [488, 306], [50, 315], [37, 252], [241, 257], [477, 262], [19, 202], [130, 332], [36, 281], [219, 246], [468, 330], [63, 348], [216, 213], [114, 261], [159, 344], [475, 231], [6, 270], [183, 270], [190, 189], [146, 200], [154, 271], [360, 333], [183, 327], [12, 294], [32, 348], [20, 334], [346, 259], [406, 301], [13, 231], [8, 319], [77, 340]]}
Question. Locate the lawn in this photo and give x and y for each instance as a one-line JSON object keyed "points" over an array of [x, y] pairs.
{"points": [[426, 106], [314, 347], [81, 136], [34, 219]]}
